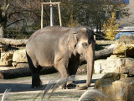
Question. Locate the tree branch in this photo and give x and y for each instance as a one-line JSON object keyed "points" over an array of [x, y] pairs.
{"points": [[16, 22]]}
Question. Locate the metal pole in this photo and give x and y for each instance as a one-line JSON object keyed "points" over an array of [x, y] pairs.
{"points": [[51, 14], [41, 16], [59, 14]]}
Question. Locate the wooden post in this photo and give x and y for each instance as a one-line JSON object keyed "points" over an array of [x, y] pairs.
{"points": [[41, 16], [51, 12]]}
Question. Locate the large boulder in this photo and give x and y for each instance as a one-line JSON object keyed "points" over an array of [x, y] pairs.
{"points": [[115, 63], [100, 66], [116, 86], [6, 59], [20, 59], [20, 56], [125, 45]]}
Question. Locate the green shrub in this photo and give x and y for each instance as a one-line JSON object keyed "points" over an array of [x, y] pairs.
{"points": [[110, 27]]}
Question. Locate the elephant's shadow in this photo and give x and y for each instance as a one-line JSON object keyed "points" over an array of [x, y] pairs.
{"points": [[84, 81], [19, 87]]}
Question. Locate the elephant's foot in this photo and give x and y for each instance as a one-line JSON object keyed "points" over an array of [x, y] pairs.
{"points": [[82, 86], [37, 84], [71, 86], [63, 86]]}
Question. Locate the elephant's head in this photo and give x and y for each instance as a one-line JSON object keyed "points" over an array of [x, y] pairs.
{"points": [[82, 42]]}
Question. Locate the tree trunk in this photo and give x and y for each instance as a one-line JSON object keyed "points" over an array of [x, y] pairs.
{"points": [[22, 72], [103, 53], [1, 31], [13, 42], [3, 16]]}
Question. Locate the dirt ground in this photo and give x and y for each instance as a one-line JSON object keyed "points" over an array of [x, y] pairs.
{"points": [[20, 88]]}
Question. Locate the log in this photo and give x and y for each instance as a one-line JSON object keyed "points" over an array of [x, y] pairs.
{"points": [[102, 54], [22, 72], [14, 42]]}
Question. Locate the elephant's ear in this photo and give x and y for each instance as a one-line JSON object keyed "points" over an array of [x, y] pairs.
{"points": [[91, 34], [72, 41]]}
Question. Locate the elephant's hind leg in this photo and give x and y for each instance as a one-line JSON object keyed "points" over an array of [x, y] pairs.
{"points": [[36, 82], [72, 69]]}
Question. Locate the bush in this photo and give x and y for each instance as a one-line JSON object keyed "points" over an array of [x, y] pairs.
{"points": [[110, 27]]}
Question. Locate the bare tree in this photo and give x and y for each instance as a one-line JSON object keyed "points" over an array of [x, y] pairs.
{"points": [[3, 16], [25, 14], [18, 14]]}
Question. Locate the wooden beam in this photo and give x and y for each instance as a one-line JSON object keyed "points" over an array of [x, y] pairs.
{"points": [[48, 3]]}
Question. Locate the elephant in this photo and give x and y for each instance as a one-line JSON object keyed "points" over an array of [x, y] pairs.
{"points": [[61, 48]]}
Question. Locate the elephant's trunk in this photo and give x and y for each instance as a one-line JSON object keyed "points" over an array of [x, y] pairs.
{"points": [[89, 56]]}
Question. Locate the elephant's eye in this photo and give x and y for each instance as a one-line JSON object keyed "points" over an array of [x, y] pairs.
{"points": [[85, 45]]}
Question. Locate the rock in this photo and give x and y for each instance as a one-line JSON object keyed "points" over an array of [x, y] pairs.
{"points": [[108, 78], [3, 48], [100, 66], [120, 64], [114, 63], [124, 44], [19, 65], [116, 86], [6, 59], [20, 56], [82, 69]]}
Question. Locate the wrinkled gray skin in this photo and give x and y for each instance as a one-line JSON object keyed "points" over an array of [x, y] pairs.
{"points": [[60, 47]]}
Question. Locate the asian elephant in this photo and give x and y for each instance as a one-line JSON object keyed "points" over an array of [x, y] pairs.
{"points": [[60, 47]]}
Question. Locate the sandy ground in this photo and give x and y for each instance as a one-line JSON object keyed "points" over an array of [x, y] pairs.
{"points": [[20, 88]]}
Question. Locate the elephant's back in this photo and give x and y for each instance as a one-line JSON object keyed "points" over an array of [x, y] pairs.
{"points": [[48, 37], [51, 31], [44, 43]]}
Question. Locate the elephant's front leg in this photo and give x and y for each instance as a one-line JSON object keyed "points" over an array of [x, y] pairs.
{"points": [[61, 65]]}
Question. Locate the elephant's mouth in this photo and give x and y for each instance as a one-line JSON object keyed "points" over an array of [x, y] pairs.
{"points": [[83, 59]]}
